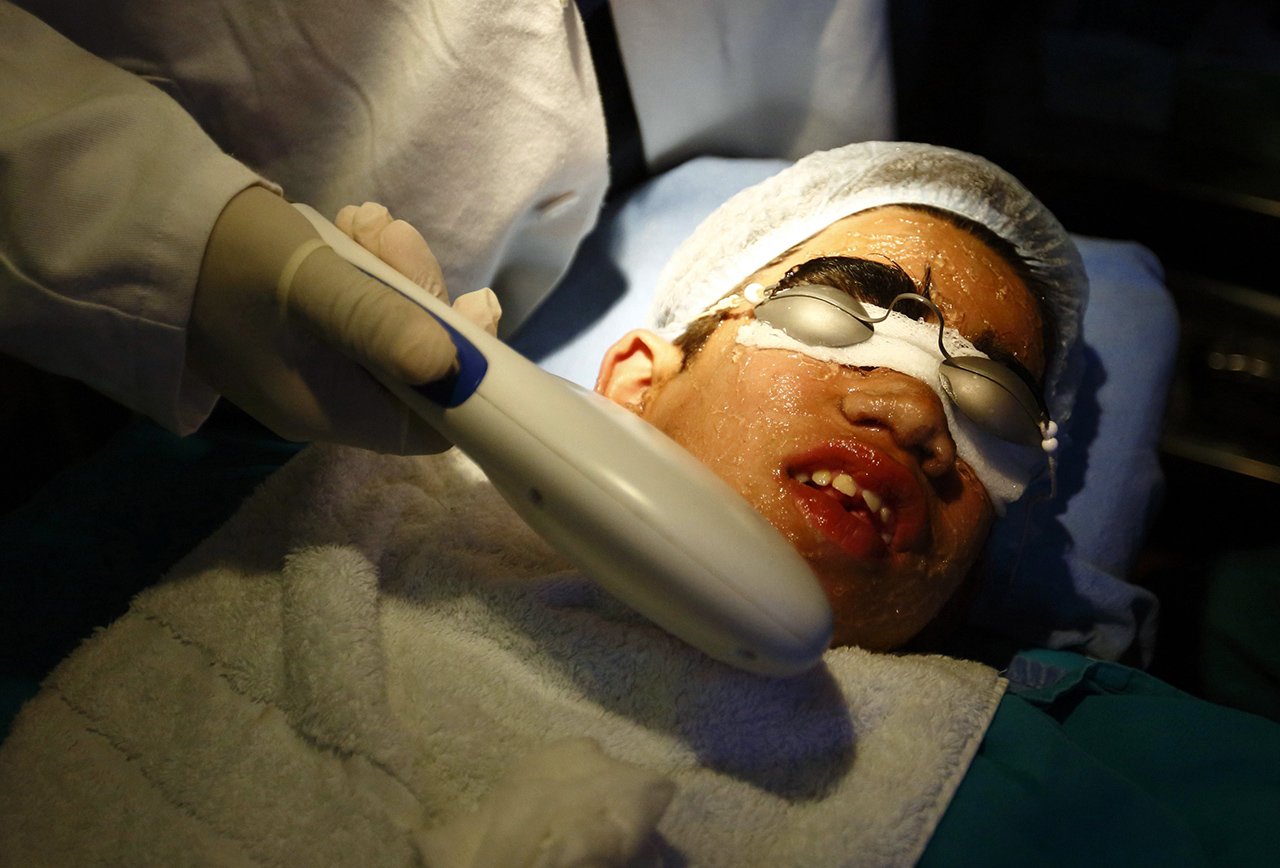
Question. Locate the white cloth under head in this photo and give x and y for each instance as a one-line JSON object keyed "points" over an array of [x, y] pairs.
{"points": [[911, 347], [375, 649]]}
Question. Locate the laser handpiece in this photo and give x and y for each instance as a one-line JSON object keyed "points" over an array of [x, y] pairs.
{"points": [[616, 496]]}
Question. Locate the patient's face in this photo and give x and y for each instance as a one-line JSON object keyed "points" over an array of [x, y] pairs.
{"points": [[784, 428]]}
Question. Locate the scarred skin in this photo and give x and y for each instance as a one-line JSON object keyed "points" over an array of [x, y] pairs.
{"points": [[761, 417]]}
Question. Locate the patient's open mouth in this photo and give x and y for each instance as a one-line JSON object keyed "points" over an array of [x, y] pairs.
{"points": [[842, 488], [859, 498]]}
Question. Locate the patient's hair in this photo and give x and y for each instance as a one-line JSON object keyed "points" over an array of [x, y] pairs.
{"points": [[877, 283]]}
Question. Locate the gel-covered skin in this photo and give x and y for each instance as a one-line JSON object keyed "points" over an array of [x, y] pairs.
{"points": [[782, 428], [857, 466], [910, 347]]}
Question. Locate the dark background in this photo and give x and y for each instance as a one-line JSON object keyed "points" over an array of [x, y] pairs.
{"points": [[1157, 122]]}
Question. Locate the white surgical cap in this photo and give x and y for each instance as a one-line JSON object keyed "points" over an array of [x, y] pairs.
{"points": [[761, 222]]}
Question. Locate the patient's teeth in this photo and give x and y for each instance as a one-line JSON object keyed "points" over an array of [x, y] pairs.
{"points": [[886, 515], [822, 477], [844, 484], [802, 477], [874, 501], [887, 537]]}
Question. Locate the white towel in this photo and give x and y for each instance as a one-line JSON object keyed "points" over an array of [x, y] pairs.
{"points": [[375, 662]]}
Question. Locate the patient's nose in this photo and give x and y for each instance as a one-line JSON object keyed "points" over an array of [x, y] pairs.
{"points": [[908, 410]]}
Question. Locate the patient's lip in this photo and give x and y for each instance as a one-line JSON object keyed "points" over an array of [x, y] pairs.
{"points": [[855, 530]]}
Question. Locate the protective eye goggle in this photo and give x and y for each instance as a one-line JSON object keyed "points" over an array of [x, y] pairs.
{"points": [[985, 391]]}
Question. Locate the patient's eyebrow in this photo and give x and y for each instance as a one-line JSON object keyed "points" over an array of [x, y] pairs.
{"points": [[867, 280]]}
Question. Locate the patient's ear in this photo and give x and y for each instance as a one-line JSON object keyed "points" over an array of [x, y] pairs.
{"points": [[636, 363]]}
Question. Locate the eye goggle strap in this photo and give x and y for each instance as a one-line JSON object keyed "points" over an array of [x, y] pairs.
{"points": [[915, 296]]}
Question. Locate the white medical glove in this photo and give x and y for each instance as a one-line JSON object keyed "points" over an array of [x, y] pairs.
{"points": [[288, 330], [568, 804]]}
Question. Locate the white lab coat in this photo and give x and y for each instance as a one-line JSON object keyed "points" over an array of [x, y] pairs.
{"points": [[477, 120]]}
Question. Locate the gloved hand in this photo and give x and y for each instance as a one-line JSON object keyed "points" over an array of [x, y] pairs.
{"points": [[288, 331]]}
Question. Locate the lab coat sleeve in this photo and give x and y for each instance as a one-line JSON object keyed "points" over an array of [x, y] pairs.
{"points": [[108, 192]]}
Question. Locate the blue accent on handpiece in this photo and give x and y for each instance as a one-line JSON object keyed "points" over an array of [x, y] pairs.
{"points": [[457, 387]]}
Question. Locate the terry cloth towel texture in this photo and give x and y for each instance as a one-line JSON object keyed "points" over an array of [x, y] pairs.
{"points": [[376, 663]]}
